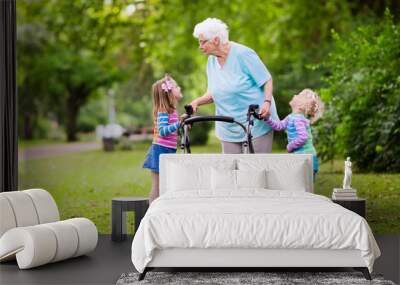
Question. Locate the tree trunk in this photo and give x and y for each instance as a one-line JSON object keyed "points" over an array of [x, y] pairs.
{"points": [[72, 112], [27, 127], [76, 99], [28, 113]]}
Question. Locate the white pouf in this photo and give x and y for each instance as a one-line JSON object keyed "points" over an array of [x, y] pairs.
{"points": [[31, 232]]}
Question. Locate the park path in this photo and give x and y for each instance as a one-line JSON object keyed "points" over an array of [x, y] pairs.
{"points": [[57, 149], [66, 148]]}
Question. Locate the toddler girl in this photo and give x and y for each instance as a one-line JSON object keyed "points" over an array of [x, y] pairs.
{"points": [[305, 104], [166, 94]]}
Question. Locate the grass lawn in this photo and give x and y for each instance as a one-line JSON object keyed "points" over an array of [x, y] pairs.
{"points": [[83, 184]]}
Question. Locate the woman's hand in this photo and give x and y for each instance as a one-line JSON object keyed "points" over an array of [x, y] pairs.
{"points": [[264, 110], [205, 99], [195, 106]]}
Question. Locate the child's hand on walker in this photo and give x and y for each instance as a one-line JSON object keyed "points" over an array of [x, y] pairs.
{"points": [[183, 117], [267, 115]]}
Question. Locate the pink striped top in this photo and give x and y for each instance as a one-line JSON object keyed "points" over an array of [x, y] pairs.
{"points": [[165, 129]]}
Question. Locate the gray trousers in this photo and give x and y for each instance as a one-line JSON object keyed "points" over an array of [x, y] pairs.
{"points": [[261, 144]]}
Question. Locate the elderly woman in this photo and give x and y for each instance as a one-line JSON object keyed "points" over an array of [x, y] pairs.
{"points": [[236, 78]]}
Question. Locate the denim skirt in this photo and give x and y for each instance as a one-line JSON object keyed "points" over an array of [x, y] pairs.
{"points": [[152, 160]]}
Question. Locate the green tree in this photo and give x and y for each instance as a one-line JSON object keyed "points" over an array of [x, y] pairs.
{"points": [[33, 94], [80, 54], [76, 49], [84, 38], [363, 89]]}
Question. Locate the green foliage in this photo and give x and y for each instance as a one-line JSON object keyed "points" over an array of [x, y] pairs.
{"points": [[70, 57], [199, 133], [286, 36], [33, 102], [124, 143], [69, 51], [48, 130], [363, 90], [325, 137], [94, 113], [134, 103]]}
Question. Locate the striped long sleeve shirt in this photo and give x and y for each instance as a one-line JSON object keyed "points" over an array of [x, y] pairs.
{"points": [[165, 129], [298, 131]]}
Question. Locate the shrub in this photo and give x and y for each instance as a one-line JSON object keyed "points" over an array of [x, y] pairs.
{"points": [[199, 133], [362, 119], [92, 115]]}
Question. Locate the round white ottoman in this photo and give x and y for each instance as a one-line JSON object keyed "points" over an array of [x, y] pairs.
{"points": [[40, 244]]}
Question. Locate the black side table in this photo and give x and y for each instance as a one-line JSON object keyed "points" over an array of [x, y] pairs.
{"points": [[356, 205], [118, 216]]}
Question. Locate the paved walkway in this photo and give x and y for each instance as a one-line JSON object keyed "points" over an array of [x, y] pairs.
{"points": [[57, 149], [60, 149]]}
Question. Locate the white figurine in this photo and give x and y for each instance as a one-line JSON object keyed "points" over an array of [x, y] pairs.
{"points": [[347, 174]]}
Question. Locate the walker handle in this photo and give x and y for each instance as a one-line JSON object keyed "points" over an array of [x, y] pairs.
{"points": [[189, 110], [208, 119], [252, 111]]}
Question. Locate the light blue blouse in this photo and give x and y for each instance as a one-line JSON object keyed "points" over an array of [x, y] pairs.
{"points": [[234, 87]]}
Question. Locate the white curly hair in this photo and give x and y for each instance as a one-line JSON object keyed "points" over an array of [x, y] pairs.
{"points": [[212, 28]]}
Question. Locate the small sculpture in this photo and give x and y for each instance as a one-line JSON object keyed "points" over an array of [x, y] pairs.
{"points": [[347, 174]]}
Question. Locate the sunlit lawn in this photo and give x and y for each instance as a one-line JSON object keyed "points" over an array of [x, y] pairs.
{"points": [[83, 184]]}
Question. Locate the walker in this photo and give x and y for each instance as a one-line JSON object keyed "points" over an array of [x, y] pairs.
{"points": [[248, 144]]}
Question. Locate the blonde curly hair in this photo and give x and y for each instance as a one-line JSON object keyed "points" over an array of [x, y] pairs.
{"points": [[312, 105]]}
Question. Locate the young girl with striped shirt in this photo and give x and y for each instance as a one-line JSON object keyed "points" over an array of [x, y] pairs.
{"points": [[306, 104], [166, 94]]}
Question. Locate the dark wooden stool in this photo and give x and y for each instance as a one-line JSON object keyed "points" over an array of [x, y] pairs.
{"points": [[120, 206], [356, 205]]}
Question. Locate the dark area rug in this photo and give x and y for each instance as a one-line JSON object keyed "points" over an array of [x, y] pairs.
{"points": [[225, 278]]}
